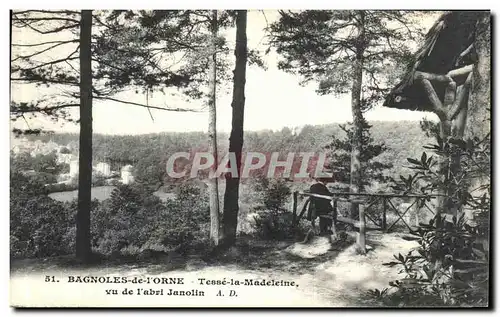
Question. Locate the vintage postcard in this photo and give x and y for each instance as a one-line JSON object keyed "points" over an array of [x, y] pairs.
{"points": [[250, 158]]}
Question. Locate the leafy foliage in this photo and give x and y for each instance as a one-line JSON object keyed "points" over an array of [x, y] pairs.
{"points": [[449, 268], [37, 223], [430, 128], [464, 161], [276, 225], [272, 192], [272, 221], [133, 217], [452, 264]]}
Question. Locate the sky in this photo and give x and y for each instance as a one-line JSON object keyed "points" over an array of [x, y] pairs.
{"points": [[274, 99]]}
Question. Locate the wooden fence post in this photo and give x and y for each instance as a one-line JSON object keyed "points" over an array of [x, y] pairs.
{"points": [[384, 216], [362, 230], [417, 211], [294, 208], [335, 207]]}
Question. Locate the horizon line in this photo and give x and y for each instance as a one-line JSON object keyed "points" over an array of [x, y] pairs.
{"points": [[51, 132]]}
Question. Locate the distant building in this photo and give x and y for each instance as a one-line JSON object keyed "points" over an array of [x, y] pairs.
{"points": [[73, 168], [126, 174], [104, 169]]}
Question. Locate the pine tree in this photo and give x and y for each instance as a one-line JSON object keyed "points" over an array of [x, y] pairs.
{"points": [[83, 247], [212, 133], [231, 194], [356, 51], [372, 170]]}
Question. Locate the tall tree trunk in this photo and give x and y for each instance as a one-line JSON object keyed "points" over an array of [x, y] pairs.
{"points": [[479, 112], [213, 185], [236, 138], [357, 115], [478, 119], [457, 132], [83, 249], [460, 122], [443, 200]]}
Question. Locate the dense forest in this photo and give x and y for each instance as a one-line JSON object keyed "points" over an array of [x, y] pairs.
{"points": [[406, 140]]}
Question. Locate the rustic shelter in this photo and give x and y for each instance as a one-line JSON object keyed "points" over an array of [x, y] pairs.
{"points": [[446, 55], [439, 81]]}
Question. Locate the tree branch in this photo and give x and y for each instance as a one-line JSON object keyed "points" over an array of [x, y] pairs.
{"points": [[452, 75], [57, 61], [26, 121], [431, 77], [403, 23], [434, 99], [461, 72], [461, 100], [467, 51], [37, 53], [45, 43], [44, 19], [146, 106], [56, 30]]}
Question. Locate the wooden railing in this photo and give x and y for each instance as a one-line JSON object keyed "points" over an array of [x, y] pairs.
{"points": [[368, 201]]}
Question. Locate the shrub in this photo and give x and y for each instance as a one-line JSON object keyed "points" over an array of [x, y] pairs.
{"points": [[277, 225], [190, 190], [98, 179], [134, 219], [24, 187], [38, 227], [65, 150], [272, 193], [450, 268], [64, 168], [37, 222], [271, 221]]}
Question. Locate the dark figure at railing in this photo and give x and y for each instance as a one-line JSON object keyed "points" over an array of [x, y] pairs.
{"points": [[322, 208]]}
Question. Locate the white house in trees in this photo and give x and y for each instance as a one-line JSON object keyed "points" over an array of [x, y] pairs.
{"points": [[73, 168], [126, 173], [104, 169]]}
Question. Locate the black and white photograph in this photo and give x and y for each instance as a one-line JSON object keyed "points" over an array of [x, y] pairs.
{"points": [[216, 158]]}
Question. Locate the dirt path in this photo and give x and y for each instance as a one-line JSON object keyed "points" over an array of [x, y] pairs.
{"points": [[321, 277]]}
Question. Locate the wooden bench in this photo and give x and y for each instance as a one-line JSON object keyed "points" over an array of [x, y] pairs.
{"points": [[356, 223]]}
